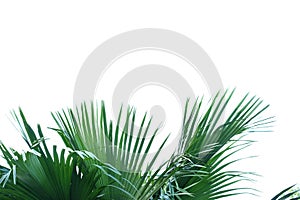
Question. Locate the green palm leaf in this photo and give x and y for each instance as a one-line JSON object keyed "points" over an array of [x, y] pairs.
{"points": [[88, 129], [38, 174], [209, 143]]}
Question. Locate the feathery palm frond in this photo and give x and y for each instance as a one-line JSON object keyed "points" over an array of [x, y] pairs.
{"points": [[210, 143]]}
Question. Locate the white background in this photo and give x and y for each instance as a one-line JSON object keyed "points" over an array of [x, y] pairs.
{"points": [[254, 44]]}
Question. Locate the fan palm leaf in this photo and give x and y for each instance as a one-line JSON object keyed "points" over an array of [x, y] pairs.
{"points": [[88, 129], [38, 174]]}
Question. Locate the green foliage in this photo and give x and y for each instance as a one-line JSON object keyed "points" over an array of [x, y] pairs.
{"points": [[198, 168], [37, 174], [108, 160]]}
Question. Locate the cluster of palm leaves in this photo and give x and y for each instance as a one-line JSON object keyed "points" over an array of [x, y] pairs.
{"points": [[110, 160]]}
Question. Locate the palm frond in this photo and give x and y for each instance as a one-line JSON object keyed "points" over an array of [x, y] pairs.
{"points": [[38, 174], [87, 128], [210, 140]]}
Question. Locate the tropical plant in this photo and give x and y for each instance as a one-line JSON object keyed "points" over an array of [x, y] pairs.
{"points": [[109, 159], [196, 170]]}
